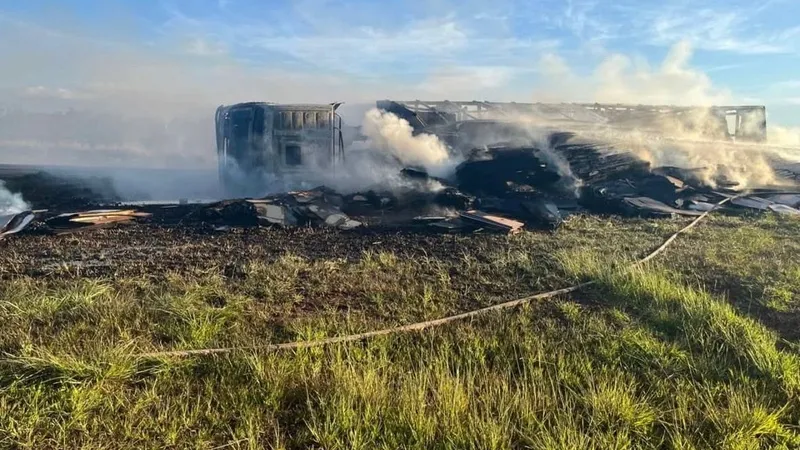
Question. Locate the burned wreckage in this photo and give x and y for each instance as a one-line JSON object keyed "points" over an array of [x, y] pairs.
{"points": [[263, 142], [505, 173], [519, 165]]}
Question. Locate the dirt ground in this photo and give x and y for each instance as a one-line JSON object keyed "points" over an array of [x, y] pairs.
{"points": [[153, 250]]}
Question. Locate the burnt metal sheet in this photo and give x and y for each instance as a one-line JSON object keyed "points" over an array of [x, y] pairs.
{"points": [[14, 223], [275, 214], [757, 203], [543, 211], [792, 200], [342, 222], [429, 219], [678, 183], [647, 204], [318, 206], [452, 224], [700, 206]]}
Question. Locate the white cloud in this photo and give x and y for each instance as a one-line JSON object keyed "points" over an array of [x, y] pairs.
{"points": [[454, 55], [403, 48], [723, 67], [585, 20]]}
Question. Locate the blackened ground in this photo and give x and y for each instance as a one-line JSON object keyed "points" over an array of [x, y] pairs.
{"points": [[749, 260], [141, 249]]}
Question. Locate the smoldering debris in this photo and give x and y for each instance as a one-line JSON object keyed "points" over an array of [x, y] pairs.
{"points": [[495, 189], [428, 170]]}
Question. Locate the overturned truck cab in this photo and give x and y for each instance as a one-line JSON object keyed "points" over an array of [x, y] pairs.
{"points": [[265, 146]]}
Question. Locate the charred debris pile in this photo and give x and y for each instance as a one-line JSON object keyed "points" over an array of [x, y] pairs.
{"points": [[498, 188]]}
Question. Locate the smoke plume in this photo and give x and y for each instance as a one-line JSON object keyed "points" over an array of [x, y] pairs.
{"points": [[682, 143], [388, 146], [71, 99], [388, 133], [784, 136], [11, 203]]}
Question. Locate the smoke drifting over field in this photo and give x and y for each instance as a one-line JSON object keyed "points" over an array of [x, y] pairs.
{"points": [[618, 79], [116, 105]]}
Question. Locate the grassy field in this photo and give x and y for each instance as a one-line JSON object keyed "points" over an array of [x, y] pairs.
{"points": [[699, 349]]}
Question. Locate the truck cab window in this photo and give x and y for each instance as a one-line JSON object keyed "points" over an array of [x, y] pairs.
{"points": [[258, 122], [293, 154]]}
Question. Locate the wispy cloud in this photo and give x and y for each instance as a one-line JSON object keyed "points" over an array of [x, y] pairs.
{"points": [[729, 31], [417, 46], [587, 22], [733, 26], [313, 50], [363, 46], [724, 67]]}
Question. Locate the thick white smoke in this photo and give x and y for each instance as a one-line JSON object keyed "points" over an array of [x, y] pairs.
{"points": [[784, 136], [388, 133], [11, 203], [619, 79], [376, 162]]}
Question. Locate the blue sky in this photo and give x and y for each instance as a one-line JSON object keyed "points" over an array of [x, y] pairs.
{"points": [[674, 51]]}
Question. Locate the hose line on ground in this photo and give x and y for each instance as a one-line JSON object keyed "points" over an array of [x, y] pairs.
{"points": [[419, 326]]}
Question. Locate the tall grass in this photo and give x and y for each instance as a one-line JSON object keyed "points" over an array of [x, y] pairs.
{"points": [[642, 360]]}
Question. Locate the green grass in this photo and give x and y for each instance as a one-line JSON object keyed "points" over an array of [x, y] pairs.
{"points": [[665, 356]]}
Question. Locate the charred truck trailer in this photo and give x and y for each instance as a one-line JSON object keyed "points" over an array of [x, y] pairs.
{"points": [[261, 144], [466, 121]]}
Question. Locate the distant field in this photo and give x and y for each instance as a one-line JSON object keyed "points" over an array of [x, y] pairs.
{"points": [[700, 349], [124, 183], [16, 170]]}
